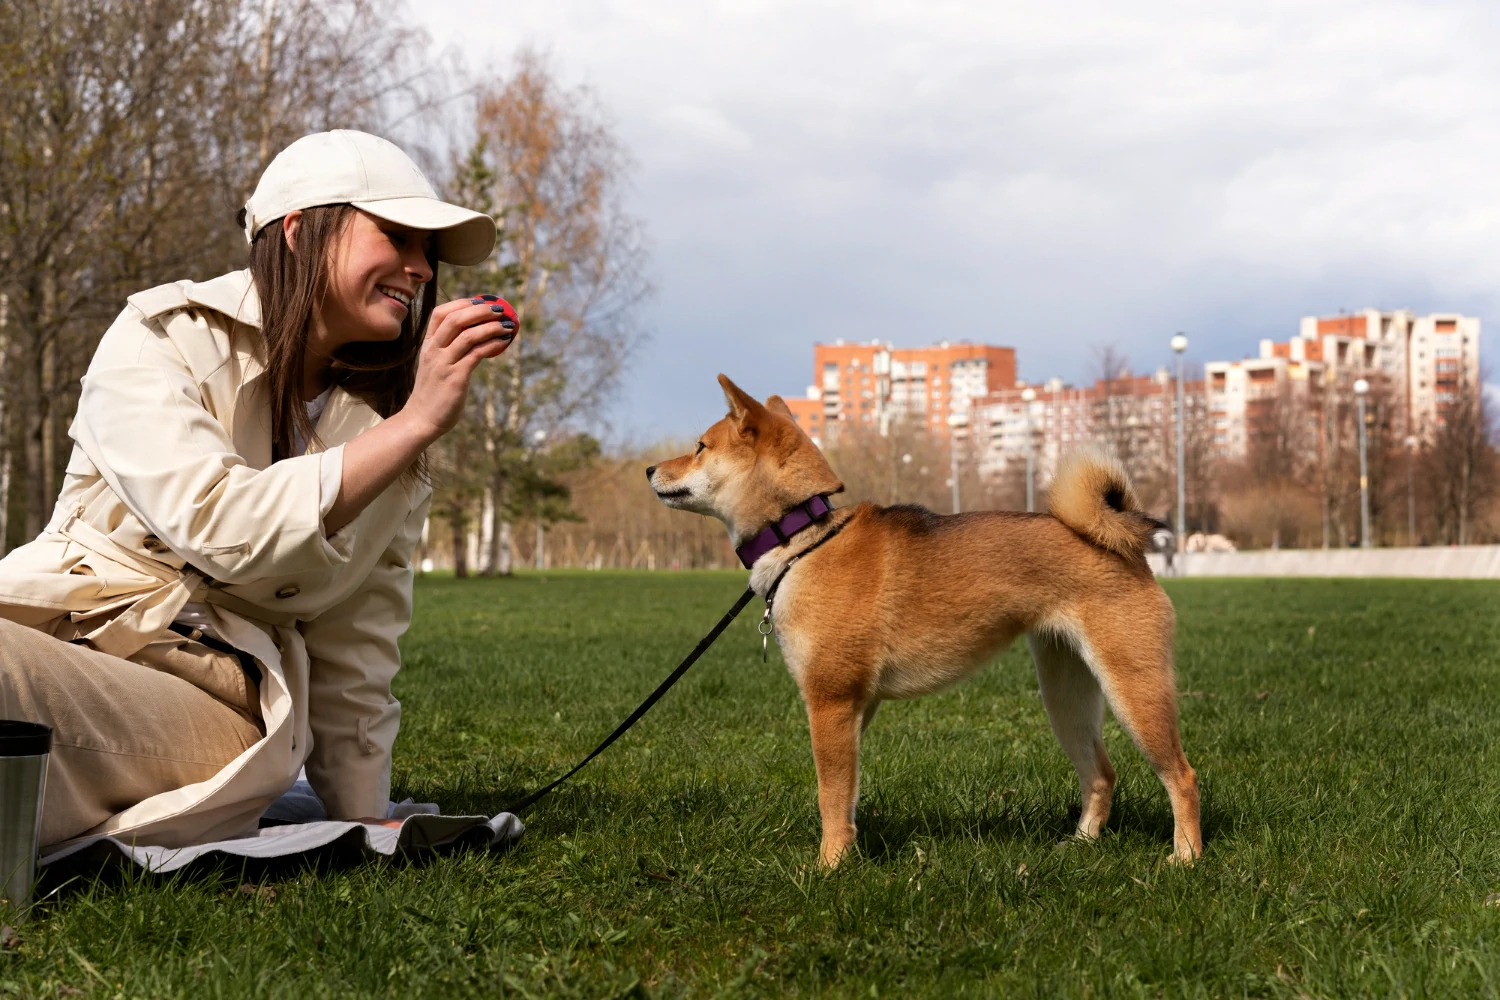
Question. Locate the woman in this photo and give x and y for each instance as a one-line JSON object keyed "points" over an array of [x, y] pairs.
{"points": [[216, 600]]}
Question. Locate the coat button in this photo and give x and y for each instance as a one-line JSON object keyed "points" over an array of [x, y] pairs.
{"points": [[153, 544], [289, 591]]}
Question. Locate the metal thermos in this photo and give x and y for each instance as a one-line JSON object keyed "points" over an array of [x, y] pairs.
{"points": [[24, 747]]}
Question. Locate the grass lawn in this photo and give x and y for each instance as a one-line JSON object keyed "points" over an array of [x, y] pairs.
{"points": [[1345, 735]]}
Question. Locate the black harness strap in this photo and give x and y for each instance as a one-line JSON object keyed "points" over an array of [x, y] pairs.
{"points": [[652, 699]]}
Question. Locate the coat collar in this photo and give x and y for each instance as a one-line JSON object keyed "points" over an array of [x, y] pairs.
{"points": [[234, 297]]}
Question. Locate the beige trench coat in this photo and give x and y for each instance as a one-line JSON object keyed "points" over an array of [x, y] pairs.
{"points": [[171, 496]]}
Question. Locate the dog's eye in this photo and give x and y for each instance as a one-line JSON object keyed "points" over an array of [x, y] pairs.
{"points": [[701, 446]]}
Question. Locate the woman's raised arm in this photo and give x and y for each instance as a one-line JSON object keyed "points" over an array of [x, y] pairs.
{"points": [[460, 334]]}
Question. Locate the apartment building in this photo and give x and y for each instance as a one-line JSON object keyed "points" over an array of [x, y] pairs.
{"points": [[1443, 359], [1243, 396], [874, 383], [1422, 360]]}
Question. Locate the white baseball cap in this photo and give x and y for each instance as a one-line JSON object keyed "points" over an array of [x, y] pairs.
{"points": [[373, 175]]}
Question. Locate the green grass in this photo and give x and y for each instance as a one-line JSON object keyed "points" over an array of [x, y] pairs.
{"points": [[1345, 735]]}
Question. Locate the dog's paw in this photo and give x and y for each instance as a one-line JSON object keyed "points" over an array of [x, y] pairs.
{"points": [[830, 856], [1079, 838]]}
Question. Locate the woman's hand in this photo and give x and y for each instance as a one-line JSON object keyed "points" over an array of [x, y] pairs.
{"points": [[460, 334]]}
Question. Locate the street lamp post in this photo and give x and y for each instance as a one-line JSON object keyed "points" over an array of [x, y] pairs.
{"points": [[955, 421], [1028, 396], [1179, 344], [1411, 493], [1360, 388]]}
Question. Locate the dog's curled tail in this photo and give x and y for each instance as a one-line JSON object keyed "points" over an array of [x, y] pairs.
{"points": [[1092, 495]]}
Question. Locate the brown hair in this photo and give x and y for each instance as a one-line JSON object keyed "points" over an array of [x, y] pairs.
{"points": [[291, 284]]}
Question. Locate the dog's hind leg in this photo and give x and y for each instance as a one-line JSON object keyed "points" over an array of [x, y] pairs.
{"points": [[1075, 707], [836, 727], [1132, 656]]}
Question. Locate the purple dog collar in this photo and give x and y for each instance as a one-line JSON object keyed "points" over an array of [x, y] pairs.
{"points": [[804, 515]]}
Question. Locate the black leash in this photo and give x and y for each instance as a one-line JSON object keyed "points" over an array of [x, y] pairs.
{"points": [[652, 699]]}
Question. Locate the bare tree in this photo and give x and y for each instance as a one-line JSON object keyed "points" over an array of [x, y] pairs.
{"points": [[1384, 465], [313, 65], [907, 464], [1133, 417], [1460, 463], [1200, 463], [132, 132], [89, 146], [619, 522], [1267, 497], [547, 165], [1114, 414]]}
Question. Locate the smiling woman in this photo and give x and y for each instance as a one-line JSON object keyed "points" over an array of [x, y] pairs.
{"points": [[216, 602]]}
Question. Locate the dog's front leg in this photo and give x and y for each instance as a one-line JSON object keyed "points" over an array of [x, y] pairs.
{"points": [[835, 738]]}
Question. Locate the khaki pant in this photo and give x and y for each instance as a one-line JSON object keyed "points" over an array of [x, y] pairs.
{"points": [[123, 730]]}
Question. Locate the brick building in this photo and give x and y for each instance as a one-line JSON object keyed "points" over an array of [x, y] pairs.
{"points": [[874, 383]]}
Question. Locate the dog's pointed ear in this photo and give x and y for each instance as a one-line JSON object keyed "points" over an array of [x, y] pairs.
{"points": [[743, 408], [778, 406]]}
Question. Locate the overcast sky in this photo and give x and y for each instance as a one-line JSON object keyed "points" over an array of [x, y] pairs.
{"points": [[1050, 176]]}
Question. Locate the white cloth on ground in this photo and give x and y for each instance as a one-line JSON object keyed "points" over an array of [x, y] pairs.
{"points": [[300, 826]]}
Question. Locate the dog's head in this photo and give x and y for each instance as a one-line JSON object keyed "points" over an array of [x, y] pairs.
{"points": [[749, 468]]}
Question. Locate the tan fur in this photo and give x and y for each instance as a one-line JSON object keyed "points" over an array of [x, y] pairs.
{"points": [[1092, 495], [903, 602]]}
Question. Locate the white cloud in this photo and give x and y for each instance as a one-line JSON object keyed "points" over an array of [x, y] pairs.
{"points": [[703, 125], [1050, 176]]}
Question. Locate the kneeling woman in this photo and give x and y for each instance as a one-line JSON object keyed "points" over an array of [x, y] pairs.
{"points": [[216, 600]]}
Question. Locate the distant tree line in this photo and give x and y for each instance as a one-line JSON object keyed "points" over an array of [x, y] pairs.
{"points": [[1284, 492], [1298, 485]]}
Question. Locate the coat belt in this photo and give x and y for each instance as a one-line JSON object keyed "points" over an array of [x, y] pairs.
{"points": [[147, 614]]}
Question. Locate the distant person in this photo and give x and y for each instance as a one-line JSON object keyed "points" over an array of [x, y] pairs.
{"points": [[1165, 542], [216, 601]]}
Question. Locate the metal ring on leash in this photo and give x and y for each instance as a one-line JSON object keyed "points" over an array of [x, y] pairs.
{"points": [[765, 628]]}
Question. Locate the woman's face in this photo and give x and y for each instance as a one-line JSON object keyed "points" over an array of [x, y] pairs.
{"points": [[375, 274]]}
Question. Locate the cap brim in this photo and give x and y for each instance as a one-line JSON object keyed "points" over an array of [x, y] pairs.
{"points": [[463, 237]]}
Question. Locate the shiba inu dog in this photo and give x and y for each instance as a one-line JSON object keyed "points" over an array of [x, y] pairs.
{"points": [[870, 603]]}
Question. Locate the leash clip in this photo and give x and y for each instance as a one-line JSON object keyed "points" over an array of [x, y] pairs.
{"points": [[765, 628]]}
